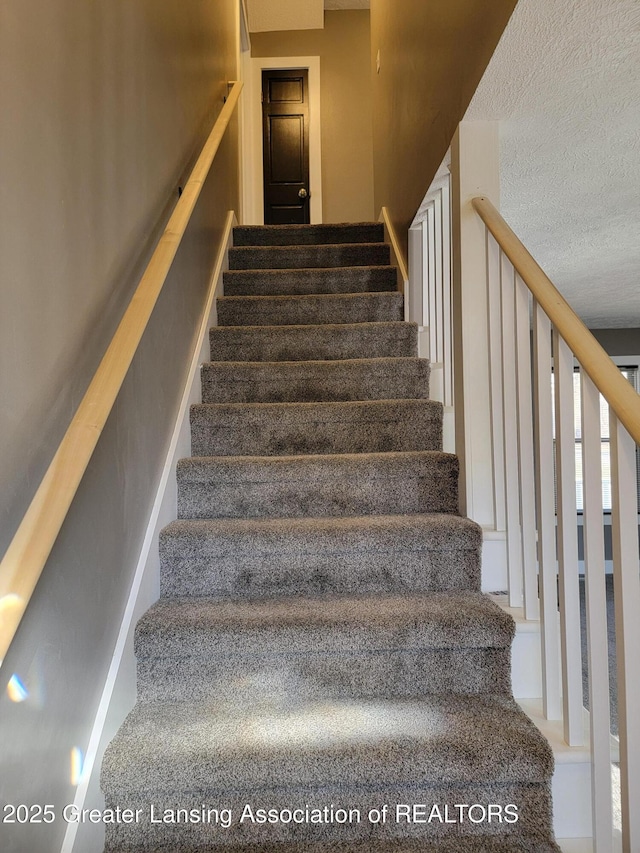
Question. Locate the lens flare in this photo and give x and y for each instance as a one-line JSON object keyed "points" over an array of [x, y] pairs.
{"points": [[16, 690], [77, 765]]}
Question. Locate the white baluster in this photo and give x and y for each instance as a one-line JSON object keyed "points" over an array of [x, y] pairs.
{"points": [[437, 259], [568, 543], [626, 580], [510, 431], [425, 275], [430, 255], [446, 296], [414, 310], [525, 452], [495, 379], [545, 516], [596, 611]]}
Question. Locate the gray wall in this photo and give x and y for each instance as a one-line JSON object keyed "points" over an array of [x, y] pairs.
{"points": [[103, 106], [618, 342]]}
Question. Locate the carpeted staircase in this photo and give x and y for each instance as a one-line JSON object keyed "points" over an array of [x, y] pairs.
{"points": [[321, 642]]}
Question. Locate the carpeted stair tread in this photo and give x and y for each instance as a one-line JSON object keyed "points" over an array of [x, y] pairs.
{"points": [[525, 836], [315, 381], [306, 257], [361, 279], [311, 309], [281, 429], [290, 235], [317, 485], [420, 532], [460, 844], [273, 557], [338, 647], [207, 626], [269, 738], [325, 341]]}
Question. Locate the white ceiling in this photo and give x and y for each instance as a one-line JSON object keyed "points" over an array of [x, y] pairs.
{"points": [[565, 84]]}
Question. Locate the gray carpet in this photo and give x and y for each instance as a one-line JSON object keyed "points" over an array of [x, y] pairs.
{"points": [[298, 282], [320, 381], [309, 343], [308, 257], [312, 309], [321, 642]]}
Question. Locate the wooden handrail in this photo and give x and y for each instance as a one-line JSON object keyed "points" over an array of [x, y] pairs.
{"points": [[395, 245], [607, 378], [29, 550]]}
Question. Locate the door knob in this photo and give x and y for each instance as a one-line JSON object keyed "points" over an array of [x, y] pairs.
{"points": [[302, 193]]}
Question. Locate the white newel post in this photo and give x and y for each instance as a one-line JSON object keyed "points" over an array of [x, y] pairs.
{"points": [[475, 172]]}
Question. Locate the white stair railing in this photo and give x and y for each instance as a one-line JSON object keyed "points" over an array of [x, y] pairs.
{"points": [[430, 292], [542, 542]]}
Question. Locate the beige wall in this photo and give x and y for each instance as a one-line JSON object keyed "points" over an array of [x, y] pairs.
{"points": [[345, 94], [103, 105], [432, 58]]}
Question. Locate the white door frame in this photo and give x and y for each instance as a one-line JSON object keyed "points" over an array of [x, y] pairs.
{"points": [[252, 182], [243, 69]]}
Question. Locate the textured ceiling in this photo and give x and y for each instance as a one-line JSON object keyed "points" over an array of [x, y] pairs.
{"points": [[565, 84], [269, 15]]}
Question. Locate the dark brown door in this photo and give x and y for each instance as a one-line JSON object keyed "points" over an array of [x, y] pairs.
{"points": [[285, 145]]}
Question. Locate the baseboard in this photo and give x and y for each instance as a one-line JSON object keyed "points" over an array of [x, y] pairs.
{"points": [[585, 845], [575, 845], [494, 560], [526, 662], [424, 344], [571, 784], [119, 692]]}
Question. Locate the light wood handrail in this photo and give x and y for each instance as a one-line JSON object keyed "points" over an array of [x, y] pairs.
{"points": [[395, 245], [607, 378], [29, 550]]}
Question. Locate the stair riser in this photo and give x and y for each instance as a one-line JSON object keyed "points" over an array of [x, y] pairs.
{"points": [[371, 279], [289, 382], [318, 488], [299, 343], [533, 802], [310, 310], [303, 257], [200, 569], [380, 674], [315, 428], [307, 235]]}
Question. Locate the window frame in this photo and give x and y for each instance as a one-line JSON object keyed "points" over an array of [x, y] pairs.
{"points": [[631, 363]]}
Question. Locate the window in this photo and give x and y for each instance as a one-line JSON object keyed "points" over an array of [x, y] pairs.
{"points": [[633, 376]]}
